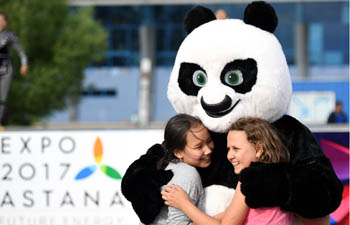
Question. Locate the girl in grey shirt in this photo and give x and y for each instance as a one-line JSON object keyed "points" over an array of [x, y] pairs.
{"points": [[187, 146]]}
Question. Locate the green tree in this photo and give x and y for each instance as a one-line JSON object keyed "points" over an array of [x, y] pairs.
{"points": [[60, 43]]}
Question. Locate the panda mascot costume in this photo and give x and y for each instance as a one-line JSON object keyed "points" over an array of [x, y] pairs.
{"points": [[225, 70]]}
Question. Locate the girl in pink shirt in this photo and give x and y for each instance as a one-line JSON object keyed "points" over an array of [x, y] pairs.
{"points": [[249, 140]]}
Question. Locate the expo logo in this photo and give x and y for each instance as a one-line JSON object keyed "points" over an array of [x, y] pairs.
{"points": [[89, 170], [51, 170], [28, 171]]}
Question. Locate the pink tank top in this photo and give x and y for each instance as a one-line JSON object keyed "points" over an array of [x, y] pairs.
{"points": [[268, 216]]}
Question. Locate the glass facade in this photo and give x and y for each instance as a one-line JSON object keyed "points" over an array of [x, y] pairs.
{"points": [[327, 23]]}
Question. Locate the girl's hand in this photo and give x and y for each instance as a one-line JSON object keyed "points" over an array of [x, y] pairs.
{"points": [[175, 196]]}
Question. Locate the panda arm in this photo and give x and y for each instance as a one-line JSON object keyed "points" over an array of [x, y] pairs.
{"points": [[142, 182], [307, 185]]}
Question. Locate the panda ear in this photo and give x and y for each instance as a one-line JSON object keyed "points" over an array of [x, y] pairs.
{"points": [[197, 16], [262, 15]]}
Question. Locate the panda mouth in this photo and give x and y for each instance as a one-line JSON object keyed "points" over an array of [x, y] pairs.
{"points": [[220, 109]]}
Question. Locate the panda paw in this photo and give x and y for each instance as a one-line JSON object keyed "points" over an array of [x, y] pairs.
{"points": [[264, 184]]}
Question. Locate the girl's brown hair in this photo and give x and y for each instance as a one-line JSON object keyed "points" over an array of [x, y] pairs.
{"points": [[175, 136], [260, 132]]}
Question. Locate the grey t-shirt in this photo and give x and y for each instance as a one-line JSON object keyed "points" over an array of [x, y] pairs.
{"points": [[188, 179]]}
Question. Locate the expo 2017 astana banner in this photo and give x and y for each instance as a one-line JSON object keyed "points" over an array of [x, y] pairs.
{"points": [[68, 177]]}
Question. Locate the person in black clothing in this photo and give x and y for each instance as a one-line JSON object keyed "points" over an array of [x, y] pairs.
{"points": [[8, 40], [337, 116]]}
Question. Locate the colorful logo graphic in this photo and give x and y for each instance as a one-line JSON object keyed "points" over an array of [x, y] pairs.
{"points": [[89, 170]]}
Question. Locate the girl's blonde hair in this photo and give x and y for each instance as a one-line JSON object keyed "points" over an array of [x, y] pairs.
{"points": [[260, 132]]}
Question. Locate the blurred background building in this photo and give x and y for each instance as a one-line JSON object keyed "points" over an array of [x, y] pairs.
{"points": [[313, 34]]}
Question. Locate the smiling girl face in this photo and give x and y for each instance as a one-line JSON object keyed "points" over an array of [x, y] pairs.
{"points": [[240, 151], [198, 149]]}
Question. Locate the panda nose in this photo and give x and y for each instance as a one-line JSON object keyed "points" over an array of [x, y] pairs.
{"points": [[217, 109]]}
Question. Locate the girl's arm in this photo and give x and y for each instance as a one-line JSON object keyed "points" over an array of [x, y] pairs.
{"points": [[219, 216], [235, 214], [175, 196]]}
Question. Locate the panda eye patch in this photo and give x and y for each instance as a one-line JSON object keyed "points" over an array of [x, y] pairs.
{"points": [[240, 75], [234, 78], [199, 78], [191, 78]]}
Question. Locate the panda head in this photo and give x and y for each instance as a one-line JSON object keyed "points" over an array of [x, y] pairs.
{"points": [[228, 69]]}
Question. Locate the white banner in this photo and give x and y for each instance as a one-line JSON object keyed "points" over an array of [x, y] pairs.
{"points": [[68, 177], [312, 107]]}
